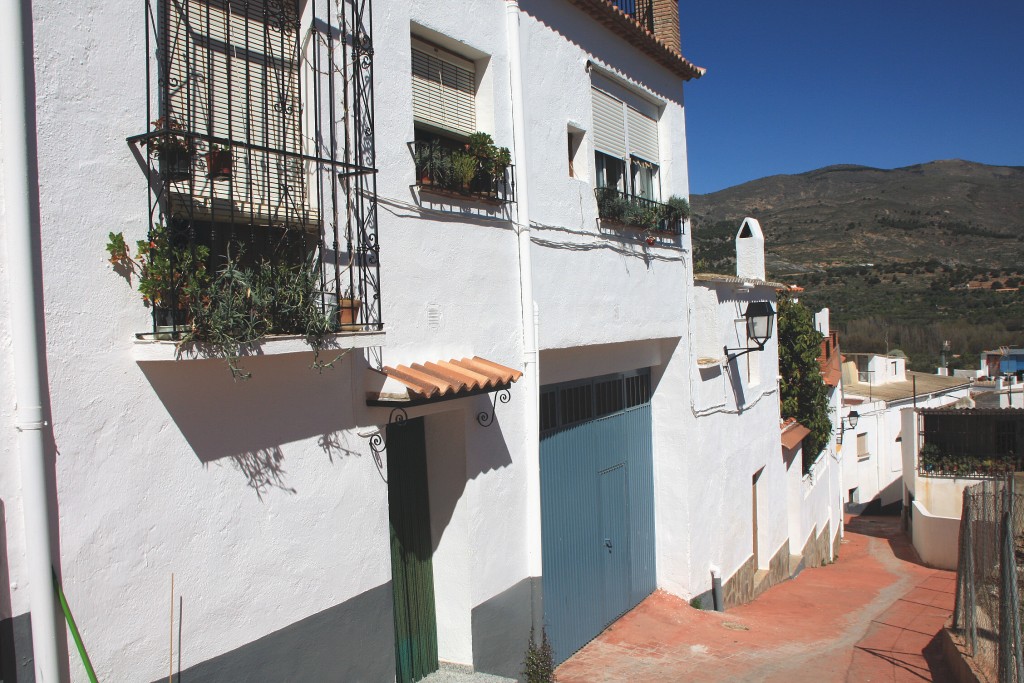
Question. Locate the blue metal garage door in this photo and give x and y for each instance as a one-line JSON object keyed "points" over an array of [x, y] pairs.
{"points": [[597, 505]]}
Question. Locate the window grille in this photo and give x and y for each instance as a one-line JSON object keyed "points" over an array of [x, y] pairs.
{"points": [[569, 403], [261, 144]]}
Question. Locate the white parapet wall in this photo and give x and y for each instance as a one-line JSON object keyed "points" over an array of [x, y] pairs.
{"points": [[936, 538]]}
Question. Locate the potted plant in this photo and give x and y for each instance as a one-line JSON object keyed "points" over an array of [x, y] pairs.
{"points": [[429, 162], [173, 150], [611, 205], [218, 162], [464, 169], [165, 273], [348, 313]]}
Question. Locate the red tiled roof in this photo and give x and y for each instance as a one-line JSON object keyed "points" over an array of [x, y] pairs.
{"points": [[831, 360], [609, 14], [450, 378], [793, 433]]}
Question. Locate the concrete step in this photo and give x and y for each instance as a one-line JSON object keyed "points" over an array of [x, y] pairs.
{"points": [[458, 673]]}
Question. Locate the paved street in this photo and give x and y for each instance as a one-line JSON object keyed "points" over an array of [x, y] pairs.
{"points": [[871, 616]]}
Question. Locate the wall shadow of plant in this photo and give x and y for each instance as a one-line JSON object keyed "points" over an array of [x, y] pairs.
{"points": [[262, 469]]}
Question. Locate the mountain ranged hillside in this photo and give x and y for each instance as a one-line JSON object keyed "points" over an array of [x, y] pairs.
{"points": [[907, 257]]}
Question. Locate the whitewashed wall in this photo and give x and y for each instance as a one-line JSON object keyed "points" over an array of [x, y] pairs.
{"points": [[881, 475], [261, 497], [728, 431]]}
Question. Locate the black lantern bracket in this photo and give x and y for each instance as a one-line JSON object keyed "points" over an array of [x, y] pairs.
{"points": [[760, 318]]}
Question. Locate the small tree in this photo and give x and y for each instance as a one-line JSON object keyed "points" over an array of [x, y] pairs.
{"points": [[804, 394], [539, 665]]}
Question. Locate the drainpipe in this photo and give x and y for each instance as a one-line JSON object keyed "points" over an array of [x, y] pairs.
{"points": [[530, 371], [27, 337]]}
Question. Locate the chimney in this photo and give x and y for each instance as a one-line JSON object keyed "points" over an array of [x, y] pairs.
{"points": [[666, 22], [750, 251]]}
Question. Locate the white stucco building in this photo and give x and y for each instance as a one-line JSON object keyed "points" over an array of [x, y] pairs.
{"points": [[877, 387], [403, 505]]}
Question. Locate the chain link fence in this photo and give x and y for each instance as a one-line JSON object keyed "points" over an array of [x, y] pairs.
{"points": [[987, 614]]}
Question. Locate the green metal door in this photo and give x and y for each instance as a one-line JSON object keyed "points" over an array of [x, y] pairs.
{"points": [[412, 571]]}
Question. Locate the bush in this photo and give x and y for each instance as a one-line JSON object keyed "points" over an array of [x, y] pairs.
{"points": [[539, 665]]}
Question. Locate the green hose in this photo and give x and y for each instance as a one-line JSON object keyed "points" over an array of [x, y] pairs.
{"points": [[74, 629]]}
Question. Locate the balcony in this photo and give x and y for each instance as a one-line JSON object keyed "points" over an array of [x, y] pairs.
{"points": [[967, 443], [636, 212], [475, 172], [262, 220], [641, 10]]}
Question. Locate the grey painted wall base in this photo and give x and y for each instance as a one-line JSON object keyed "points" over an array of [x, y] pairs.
{"points": [[16, 664], [501, 628], [707, 601], [353, 641]]}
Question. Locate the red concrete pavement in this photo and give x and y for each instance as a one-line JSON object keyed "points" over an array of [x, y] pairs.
{"points": [[871, 616]]}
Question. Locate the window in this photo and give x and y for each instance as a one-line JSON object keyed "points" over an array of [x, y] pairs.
{"points": [[249, 159], [443, 90], [625, 135], [452, 156], [862, 447], [577, 167]]}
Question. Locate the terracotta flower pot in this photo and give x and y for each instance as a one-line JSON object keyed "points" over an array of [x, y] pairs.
{"points": [[348, 315], [218, 164]]}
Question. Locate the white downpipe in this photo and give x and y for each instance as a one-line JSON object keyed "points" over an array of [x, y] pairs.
{"points": [[530, 373], [27, 337]]}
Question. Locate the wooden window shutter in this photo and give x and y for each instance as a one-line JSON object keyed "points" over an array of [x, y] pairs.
{"points": [[609, 124], [443, 89], [643, 136]]}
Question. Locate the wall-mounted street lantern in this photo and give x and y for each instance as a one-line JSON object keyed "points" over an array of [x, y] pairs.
{"points": [[760, 317], [852, 419]]}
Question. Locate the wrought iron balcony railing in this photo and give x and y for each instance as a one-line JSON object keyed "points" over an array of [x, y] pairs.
{"points": [[451, 170], [638, 212], [250, 164], [641, 10]]}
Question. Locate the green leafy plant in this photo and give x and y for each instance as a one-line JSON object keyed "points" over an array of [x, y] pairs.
{"points": [[539, 664], [232, 307], [642, 215], [170, 143], [162, 270], [433, 163], [804, 393], [611, 205], [239, 305], [464, 169], [696, 602]]}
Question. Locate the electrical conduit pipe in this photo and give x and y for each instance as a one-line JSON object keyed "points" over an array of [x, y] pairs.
{"points": [[530, 370], [27, 338]]}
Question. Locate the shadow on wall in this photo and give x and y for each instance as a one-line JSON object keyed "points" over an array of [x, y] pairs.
{"points": [[247, 421], [352, 641], [565, 20]]}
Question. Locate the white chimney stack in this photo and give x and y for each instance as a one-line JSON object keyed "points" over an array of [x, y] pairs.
{"points": [[750, 251]]}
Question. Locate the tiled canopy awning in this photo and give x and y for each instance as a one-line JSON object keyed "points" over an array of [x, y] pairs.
{"points": [[438, 381], [793, 433]]}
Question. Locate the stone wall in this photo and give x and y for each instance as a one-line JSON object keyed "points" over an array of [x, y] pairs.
{"points": [[748, 582], [818, 549]]}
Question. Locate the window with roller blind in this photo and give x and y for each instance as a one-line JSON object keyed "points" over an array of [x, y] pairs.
{"points": [[443, 91], [626, 148]]}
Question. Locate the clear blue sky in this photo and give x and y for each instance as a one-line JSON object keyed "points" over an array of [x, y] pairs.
{"points": [[794, 85]]}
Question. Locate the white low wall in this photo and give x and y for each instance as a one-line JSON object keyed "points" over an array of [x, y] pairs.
{"points": [[935, 538]]}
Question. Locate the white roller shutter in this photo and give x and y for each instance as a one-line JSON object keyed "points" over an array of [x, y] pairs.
{"points": [[609, 124], [443, 89], [643, 136]]}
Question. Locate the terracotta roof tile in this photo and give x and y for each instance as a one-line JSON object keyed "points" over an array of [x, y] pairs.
{"points": [[793, 433], [448, 379]]}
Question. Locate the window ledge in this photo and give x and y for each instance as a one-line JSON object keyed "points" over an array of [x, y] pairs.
{"points": [[156, 350], [431, 191]]}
